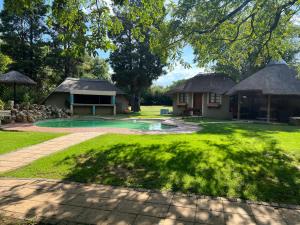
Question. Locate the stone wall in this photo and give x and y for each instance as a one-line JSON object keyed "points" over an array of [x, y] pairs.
{"points": [[26, 113]]}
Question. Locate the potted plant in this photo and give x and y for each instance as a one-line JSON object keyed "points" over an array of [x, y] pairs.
{"points": [[189, 111]]}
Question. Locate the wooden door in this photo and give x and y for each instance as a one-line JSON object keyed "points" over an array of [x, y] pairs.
{"points": [[197, 103]]}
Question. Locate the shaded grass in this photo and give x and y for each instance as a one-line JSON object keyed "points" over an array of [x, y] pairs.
{"points": [[4, 220], [12, 140], [250, 161]]}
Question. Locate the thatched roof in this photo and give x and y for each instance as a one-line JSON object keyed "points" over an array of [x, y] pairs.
{"points": [[206, 82], [71, 84], [274, 79], [16, 77]]}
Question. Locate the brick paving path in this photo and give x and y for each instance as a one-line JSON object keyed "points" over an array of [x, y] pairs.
{"points": [[60, 202], [24, 156]]}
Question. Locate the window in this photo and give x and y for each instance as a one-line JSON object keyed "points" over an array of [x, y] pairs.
{"points": [[214, 98], [92, 99], [182, 98]]}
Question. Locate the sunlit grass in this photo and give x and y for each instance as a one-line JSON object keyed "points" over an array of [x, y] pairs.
{"points": [[11, 140], [147, 112]]}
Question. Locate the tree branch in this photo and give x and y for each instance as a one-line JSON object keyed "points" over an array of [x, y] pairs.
{"points": [[215, 26]]}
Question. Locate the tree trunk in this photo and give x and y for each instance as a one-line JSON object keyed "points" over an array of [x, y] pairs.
{"points": [[135, 103], [67, 67]]}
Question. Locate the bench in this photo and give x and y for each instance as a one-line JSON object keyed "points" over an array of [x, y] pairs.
{"points": [[4, 114], [164, 112]]}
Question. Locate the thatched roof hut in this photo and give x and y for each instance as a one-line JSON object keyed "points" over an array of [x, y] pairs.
{"points": [[85, 84], [274, 79], [203, 95], [272, 92], [85, 96], [206, 82]]}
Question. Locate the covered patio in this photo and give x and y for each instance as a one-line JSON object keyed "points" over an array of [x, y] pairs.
{"points": [[88, 97], [271, 94]]}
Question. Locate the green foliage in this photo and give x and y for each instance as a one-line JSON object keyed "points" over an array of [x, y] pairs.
{"points": [[67, 22], [286, 45], [1, 105], [239, 34], [224, 159], [94, 67], [23, 32], [22, 29], [156, 95], [176, 83], [5, 61], [26, 98]]}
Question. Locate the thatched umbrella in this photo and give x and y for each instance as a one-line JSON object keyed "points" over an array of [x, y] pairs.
{"points": [[16, 78]]}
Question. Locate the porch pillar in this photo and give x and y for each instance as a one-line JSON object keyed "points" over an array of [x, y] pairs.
{"points": [[269, 108], [94, 110], [113, 102], [71, 103], [239, 106]]}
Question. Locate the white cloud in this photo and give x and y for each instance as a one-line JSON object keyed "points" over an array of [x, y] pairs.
{"points": [[178, 73]]}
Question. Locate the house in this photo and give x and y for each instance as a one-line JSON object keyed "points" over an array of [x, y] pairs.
{"points": [[272, 93], [203, 95], [88, 97]]}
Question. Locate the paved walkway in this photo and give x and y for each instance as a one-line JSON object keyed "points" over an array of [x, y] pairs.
{"points": [[24, 156], [68, 203]]}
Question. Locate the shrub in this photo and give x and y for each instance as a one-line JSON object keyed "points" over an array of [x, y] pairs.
{"points": [[1, 105]]}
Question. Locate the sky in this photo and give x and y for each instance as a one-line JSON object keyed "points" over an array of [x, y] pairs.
{"points": [[177, 73]]}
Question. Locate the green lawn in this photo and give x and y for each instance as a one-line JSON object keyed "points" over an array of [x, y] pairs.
{"points": [[250, 161], [148, 112], [10, 140]]}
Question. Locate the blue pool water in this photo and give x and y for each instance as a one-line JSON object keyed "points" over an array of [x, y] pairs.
{"points": [[79, 123]]}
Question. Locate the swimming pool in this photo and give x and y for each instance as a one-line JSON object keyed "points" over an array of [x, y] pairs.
{"points": [[129, 124]]}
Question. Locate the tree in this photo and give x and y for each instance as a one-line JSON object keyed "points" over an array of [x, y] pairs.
{"points": [[68, 32], [22, 29], [134, 65], [230, 32], [156, 95], [289, 47], [94, 67], [176, 83]]}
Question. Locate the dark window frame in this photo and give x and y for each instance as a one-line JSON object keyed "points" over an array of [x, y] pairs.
{"points": [[214, 98], [182, 98]]}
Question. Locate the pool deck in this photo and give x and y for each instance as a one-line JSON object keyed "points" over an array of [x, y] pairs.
{"points": [[179, 128], [61, 202]]}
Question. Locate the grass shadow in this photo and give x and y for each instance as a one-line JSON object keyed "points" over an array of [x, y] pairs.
{"points": [[266, 174]]}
